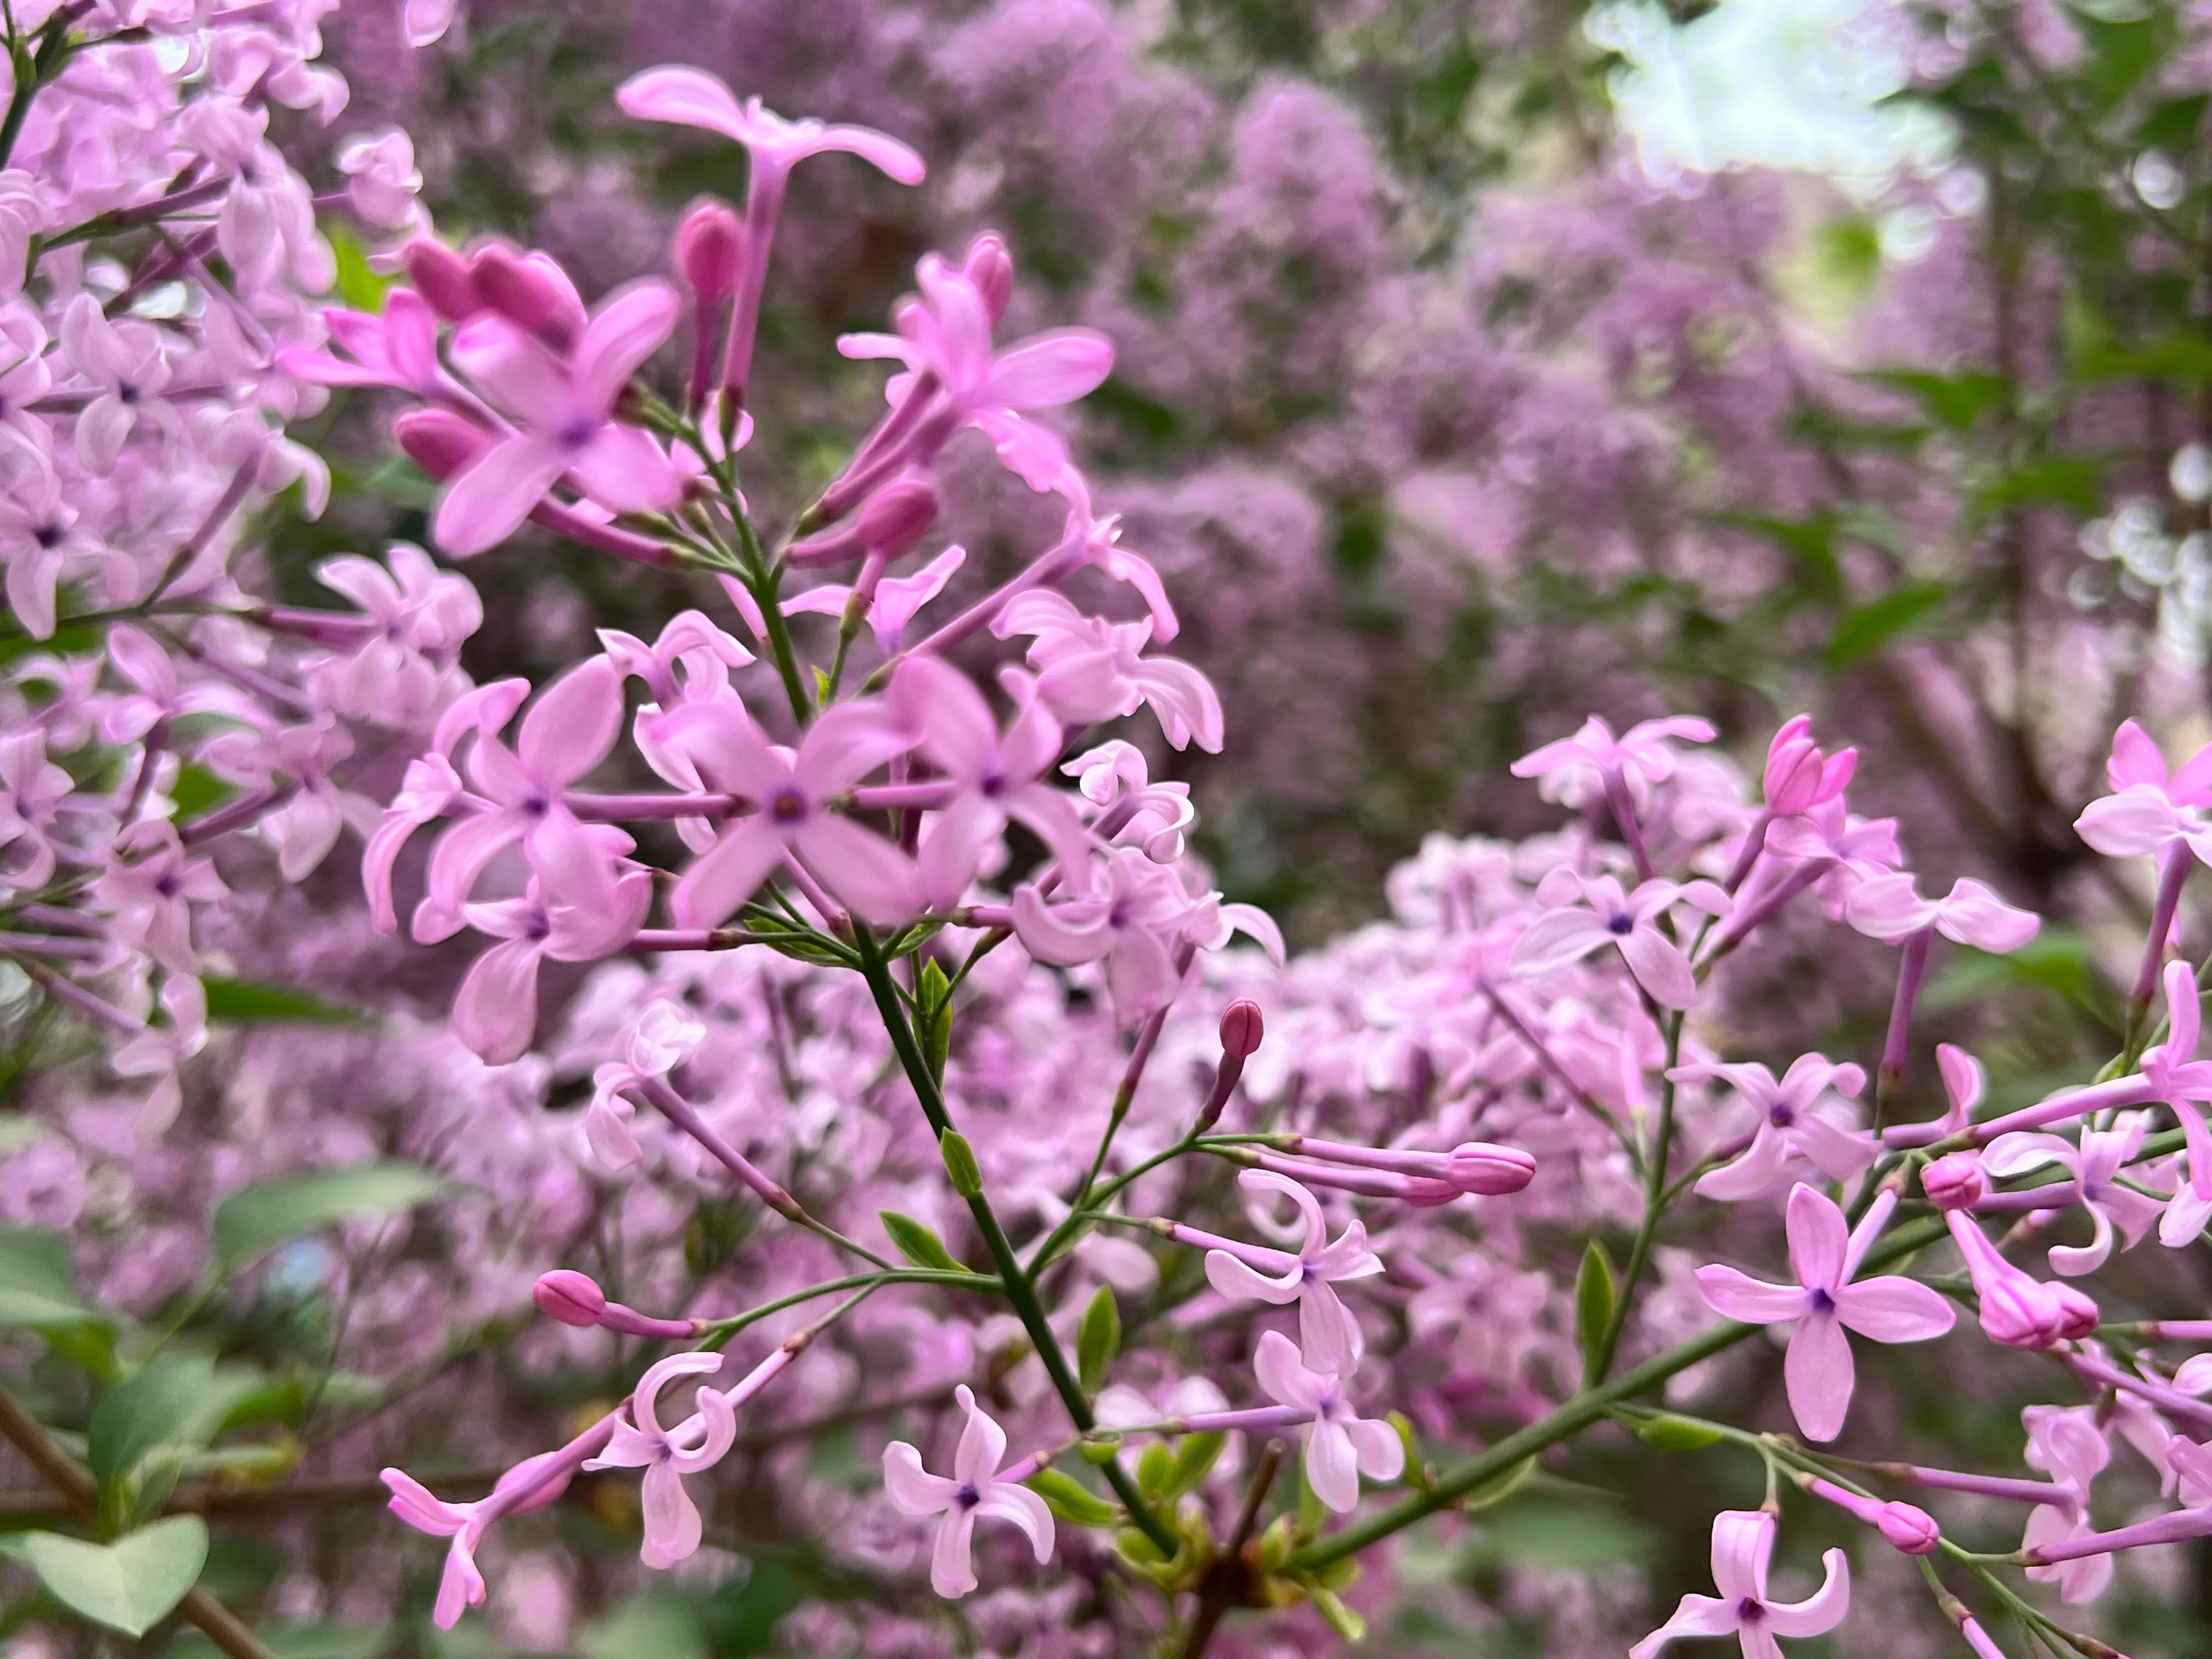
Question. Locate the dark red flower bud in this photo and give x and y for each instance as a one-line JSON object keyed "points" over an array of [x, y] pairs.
{"points": [[1241, 1028]]}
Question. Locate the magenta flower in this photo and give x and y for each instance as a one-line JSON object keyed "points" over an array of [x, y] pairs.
{"points": [[946, 337], [2136, 761], [792, 818], [671, 1520], [996, 779], [889, 605], [1887, 908], [1743, 1545], [1799, 776], [2069, 1447], [570, 729], [530, 1484], [2183, 1081], [1328, 1336], [1340, 1445], [2094, 1164], [2018, 1310], [1090, 670], [1587, 913], [977, 1487], [1572, 770], [1791, 1126], [496, 1010], [1824, 1304], [567, 409], [395, 347]]}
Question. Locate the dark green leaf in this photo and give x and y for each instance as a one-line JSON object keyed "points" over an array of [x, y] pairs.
{"points": [[145, 1424], [244, 1001], [267, 1214], [1867, 628], [1098, 1339], [960, 1166], [2172, 126]]}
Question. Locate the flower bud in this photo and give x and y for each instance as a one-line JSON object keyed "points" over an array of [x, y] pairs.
{"points": [[991, 267], [2078, 1317], [1479, 1167], [1799, 777], [1954, 1181], [441, 278], [438, 441], [898, 515], [572, 1297], [1241, 1028], [710, 246], [1423, 1194], [1910, 1529], [529, 290]]}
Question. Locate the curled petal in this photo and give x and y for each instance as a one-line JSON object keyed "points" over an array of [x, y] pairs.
{"points": [[1019, 1504]]}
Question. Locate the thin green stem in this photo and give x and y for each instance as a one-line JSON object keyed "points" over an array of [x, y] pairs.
{"points": [[720, 1331], [1656, 1198]]}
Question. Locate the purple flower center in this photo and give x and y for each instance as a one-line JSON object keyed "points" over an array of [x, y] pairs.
{"points": [[991, 785], [967, 1498], [576, 431], [168, 885], [1750, 1611], [48, 535], [1119, 915], [789, 805], [127, 392], [1620, 923], [1781, 1114], [1821, 1301]]}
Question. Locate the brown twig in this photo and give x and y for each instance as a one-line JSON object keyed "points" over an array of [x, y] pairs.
{"points": [[1228, 1580]]}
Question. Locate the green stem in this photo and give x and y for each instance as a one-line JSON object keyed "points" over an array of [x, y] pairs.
{"points": [[720, 1331], [1019, 1288], [767, 583], [1656, 1197]]}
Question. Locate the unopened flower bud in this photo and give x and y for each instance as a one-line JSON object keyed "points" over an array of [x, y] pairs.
{"points": [[991, 267], [898, 515], [1479, 1167], [438, 441], [1910, 1529], [710, 246], [1799, 777], [527, 289], [1954, 1181], [1241, 1028], [441, 278], [572, 1297], [2078, 1317]]}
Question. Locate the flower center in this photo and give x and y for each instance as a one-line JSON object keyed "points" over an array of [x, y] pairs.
{"points": [[789, 805], [1781, 1115], [1119, 915], [48, 535], [991, 785], [576, 431], [127, 392], [1750, 1611], [967, 1498], [1619, 924], [1821, 1301]]}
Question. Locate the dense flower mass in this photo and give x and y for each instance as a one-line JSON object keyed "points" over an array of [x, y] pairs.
{"points": [[832, 1143]]}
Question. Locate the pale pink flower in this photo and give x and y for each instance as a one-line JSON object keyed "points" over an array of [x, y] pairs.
{"points": [[148, 886], [1340, 1444], [1090, 670], [671, 1520], [890, 604], [381, 179], [1572, 770], [496, 1010], [416, 618], [1799, 776], [127, 371], [2095, 1163], [1328, 1336], [160, 699], [2067, 1445], [1587, 913], [1887, 908], [530, 1484], [664, 1036], [1796, 1123], [1824, 1304], [691, 97], [568, 410], [1132, 916], [159, 1051], [424, 23], [1743, 1545], [32, 790], [976, 1487], [395, 347], [2183, 1082], [39, 532]]}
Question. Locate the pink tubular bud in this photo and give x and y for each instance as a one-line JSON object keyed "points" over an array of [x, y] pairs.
{"points": [[710, 249], [572, 1297], [1910, 1529], [1799, 777], [898, 515], [1490, 1171], [441, 278], [439, 441], [529, 290], [1955, 1181], [1241, 1028], [991, 267]]}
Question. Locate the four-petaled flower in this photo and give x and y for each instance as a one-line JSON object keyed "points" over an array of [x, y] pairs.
{"points": [[1791, 1124], [1340, 1444], [2095, 1164], [977, 1486], [671, 1520], [1590, 912], [1327, 1333], [1743, 1545], [1572, 770], [2069, 1447], [1824, 1304]]}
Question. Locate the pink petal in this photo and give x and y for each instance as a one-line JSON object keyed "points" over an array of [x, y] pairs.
{"points": [[630, 324], [895, 161], [1240, 1281], [1331, 1468], [914, 1491], [1735, 1295], [951, 1570], [726, 874], [1894, 1309], [574, 725], [2134, 822], [982, 1445], [1743, 1542], [1820, 1612], [1974, 914], [1695, 1615], [688, 97], [1557, 939], [1009, 1502], [1819, 1238], [1819, 1374], [1049, 370], [861, 868], [487, 502], [671, 1520], [495, 1010], [1660, 968], [624, 470], [1283, 1375]]}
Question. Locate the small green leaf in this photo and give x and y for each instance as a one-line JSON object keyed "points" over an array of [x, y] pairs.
{"points": [[1072, 1501], [1152, 1466], [917, 1243], [2172, 126], [130, 1585], [360, 287], [259, 1217], [1499, 1487], [1863, 631], [1098, 1339], [1342, 1618], [144, 1426], [960, 1165], [1194, 1458], [37, 1282], [1953, 400], [1669, 1433], [1596, 1289], [248, 1002], [933, 996]]}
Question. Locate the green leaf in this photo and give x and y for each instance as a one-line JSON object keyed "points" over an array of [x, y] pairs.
{"points": [[2172, 126], [1811, 542], [1500, 1488], [933, 996], [2061, 481], [1072, 1501], [248, 1002], [1194, 1458], [37, 1282], [1865, 629], [1669, 1433], [1342, 1618], [249, 1223], [1596, 1290], [1152, 1466], [917, 1243], [1953, 400], [960, 1165], [360, 287], [145, 1426], [130, 1585], [1098, 1339]]}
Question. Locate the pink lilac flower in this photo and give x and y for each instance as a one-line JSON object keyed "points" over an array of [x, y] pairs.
{"points": [[415, 616], [1328, 1334], [496, 1010], [1824, 1304], [1887, 908], [1792, 1127], [1340, 1444], [2069, 1447], [395, 347], [976, 1487], [31, 791], [125, 364], [2183, 1082], [1130, 913], [890, 605], [2149, 808], [1743, 1545], [568, 412], [1587, 913], [2018, 1310], [664, 1036], [671, 1520], [2094, 1163], [1572, 770], [1090, 670]]}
